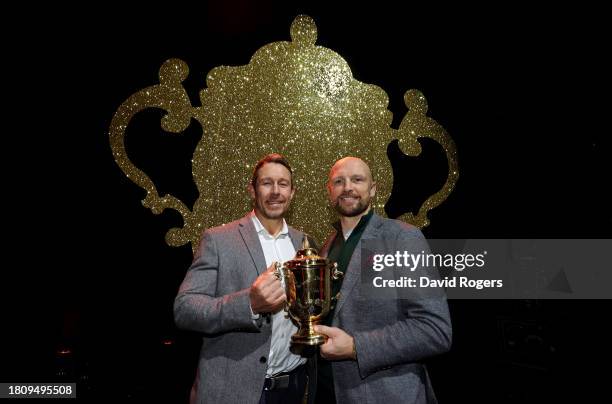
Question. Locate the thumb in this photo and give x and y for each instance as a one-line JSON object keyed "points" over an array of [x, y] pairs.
{"points": [[323, 329]]}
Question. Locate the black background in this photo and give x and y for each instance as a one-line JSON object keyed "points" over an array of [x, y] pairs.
{"points": [[521, 90]]}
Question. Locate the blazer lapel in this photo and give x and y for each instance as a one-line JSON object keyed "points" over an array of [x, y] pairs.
{"points": [[352, 275], [251, 240]]}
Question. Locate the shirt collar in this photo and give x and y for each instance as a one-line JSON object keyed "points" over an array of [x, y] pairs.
{"points": [[260, 229], [363, 221]]}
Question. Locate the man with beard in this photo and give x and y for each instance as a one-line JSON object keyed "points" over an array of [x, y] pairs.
{"points": [[374, 347], [231, 295]]}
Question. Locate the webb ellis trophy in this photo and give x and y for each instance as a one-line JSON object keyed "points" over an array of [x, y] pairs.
{"points": [[307, 280]]}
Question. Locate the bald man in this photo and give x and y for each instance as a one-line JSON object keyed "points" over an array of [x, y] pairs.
{"points": [[375, 347]]}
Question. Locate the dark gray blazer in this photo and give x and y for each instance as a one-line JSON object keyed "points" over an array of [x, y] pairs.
{"points": [[214, 300], [391, 336]]}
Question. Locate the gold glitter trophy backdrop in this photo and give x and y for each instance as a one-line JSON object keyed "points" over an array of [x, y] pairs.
{"points": [[293, 98]]}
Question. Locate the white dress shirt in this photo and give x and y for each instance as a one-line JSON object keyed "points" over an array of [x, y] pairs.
{"points": [[279, 249]]}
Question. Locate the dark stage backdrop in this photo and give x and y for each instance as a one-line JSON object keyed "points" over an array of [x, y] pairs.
{"points": [[520, 90]]}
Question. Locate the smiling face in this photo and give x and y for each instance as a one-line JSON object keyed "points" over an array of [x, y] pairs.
{"points": [[350, 186], [273, 191]]}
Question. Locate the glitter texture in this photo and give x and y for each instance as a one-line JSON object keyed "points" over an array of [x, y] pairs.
{"points": [[293, 98]]}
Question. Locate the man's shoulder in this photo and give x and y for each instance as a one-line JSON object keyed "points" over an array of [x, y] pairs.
{"points": [[399, 228], [226, 228]]}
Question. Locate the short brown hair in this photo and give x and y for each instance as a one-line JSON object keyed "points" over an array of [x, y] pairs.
{"points": [[271, 158]]}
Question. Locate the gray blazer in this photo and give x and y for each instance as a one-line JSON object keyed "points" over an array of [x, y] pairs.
{"points": [[214, 300], [391, 336]]}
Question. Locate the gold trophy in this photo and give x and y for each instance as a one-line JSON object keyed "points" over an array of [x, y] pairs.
{"points": [[307, 280]]}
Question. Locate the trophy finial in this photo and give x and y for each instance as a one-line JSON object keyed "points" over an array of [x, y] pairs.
{"points": [[306, 250]]}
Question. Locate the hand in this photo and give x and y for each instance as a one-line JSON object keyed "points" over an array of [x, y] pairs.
{"points": [[267, 294], [339, 344]]}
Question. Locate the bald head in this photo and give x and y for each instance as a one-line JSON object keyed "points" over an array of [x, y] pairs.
{"points": [[352, 164], [350, 186]]}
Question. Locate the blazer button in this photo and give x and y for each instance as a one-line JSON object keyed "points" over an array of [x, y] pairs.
{"points": [[262, 359]]}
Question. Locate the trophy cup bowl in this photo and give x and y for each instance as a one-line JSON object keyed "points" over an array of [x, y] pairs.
{"points": [[307, 280]]}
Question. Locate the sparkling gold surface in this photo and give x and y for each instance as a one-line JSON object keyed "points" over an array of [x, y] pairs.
{"points": [[293, 98]]}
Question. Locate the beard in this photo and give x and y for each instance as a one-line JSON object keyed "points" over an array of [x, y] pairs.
{"points": [[355, 210]]}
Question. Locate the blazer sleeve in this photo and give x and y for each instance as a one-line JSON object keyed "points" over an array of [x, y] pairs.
{"points": [[423, 328], [197, 308]]}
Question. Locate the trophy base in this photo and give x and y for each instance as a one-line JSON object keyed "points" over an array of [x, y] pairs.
{"points": [[306, 335], [310, 340]]}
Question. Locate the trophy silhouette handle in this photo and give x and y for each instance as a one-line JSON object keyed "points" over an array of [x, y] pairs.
{"points": [[171, 97], [416, 124]]}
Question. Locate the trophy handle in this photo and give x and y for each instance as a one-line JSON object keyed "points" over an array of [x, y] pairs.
{"points": [[336, 274], [279, 272], [287, 282]]}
